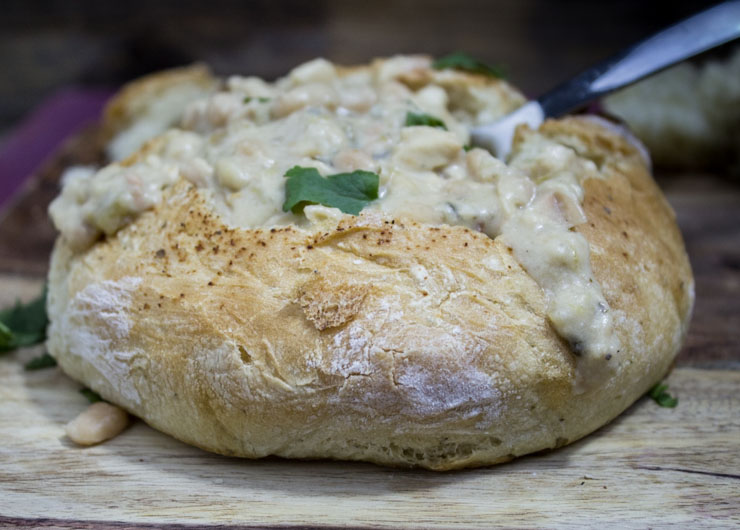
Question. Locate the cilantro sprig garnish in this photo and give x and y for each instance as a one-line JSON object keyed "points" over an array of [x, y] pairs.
{"points": [[463, 61], [248, 99], [350, 192], [23, 324], [660, 394], [413, 119]]}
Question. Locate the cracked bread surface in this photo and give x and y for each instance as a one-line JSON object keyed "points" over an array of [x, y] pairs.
{"points": [[374, 337]]}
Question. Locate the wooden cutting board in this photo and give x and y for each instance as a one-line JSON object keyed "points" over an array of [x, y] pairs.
{"points": [[652, 467]]}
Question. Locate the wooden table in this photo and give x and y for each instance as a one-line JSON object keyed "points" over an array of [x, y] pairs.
{"points": [[652, 467]]}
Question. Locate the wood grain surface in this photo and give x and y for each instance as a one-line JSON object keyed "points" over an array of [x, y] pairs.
{"points": [[652, 467]]}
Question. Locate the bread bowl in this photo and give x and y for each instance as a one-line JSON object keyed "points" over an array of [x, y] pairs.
{"points": [[475, 311]]}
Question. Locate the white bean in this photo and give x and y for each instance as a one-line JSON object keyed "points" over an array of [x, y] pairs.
{"points": [[99, 422]]}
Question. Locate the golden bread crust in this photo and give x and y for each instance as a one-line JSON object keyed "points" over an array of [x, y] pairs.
{"points": [[134, 98], [377, 339]]}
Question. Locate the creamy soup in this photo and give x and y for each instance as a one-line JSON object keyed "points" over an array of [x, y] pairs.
{"points": [[239, 142]]}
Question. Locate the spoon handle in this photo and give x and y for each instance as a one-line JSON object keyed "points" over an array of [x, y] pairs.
{"points": [[685, 39]]}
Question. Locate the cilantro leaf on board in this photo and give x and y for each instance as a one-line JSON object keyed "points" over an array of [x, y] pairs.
{"points": [[660, 395], [42, 361], [91, 395], [413, 119], [23, 324], [350, 192], [463, 61], [6, 338]]}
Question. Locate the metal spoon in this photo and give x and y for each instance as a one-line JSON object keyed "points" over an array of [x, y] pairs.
{"points": [[696, 34]]}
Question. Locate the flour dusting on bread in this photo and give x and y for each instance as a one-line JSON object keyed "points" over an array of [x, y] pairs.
{"points": [[476, 310], [94, 326]]}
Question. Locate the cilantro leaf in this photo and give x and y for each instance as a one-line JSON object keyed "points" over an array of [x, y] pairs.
{"points": [[423, 119], [350, 192], [91, 395], [23, 325], [666, 400], [660, 395], [463, 61], [260, 99], [42, 361], [6, 338]]}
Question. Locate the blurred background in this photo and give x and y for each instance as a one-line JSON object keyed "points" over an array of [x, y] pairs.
{"points": [[48, 45]]}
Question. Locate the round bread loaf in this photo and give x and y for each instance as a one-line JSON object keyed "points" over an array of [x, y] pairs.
{"points": [[475, 311]]}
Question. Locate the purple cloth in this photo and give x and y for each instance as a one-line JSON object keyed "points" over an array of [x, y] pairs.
{"points": [[43, 131]]}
